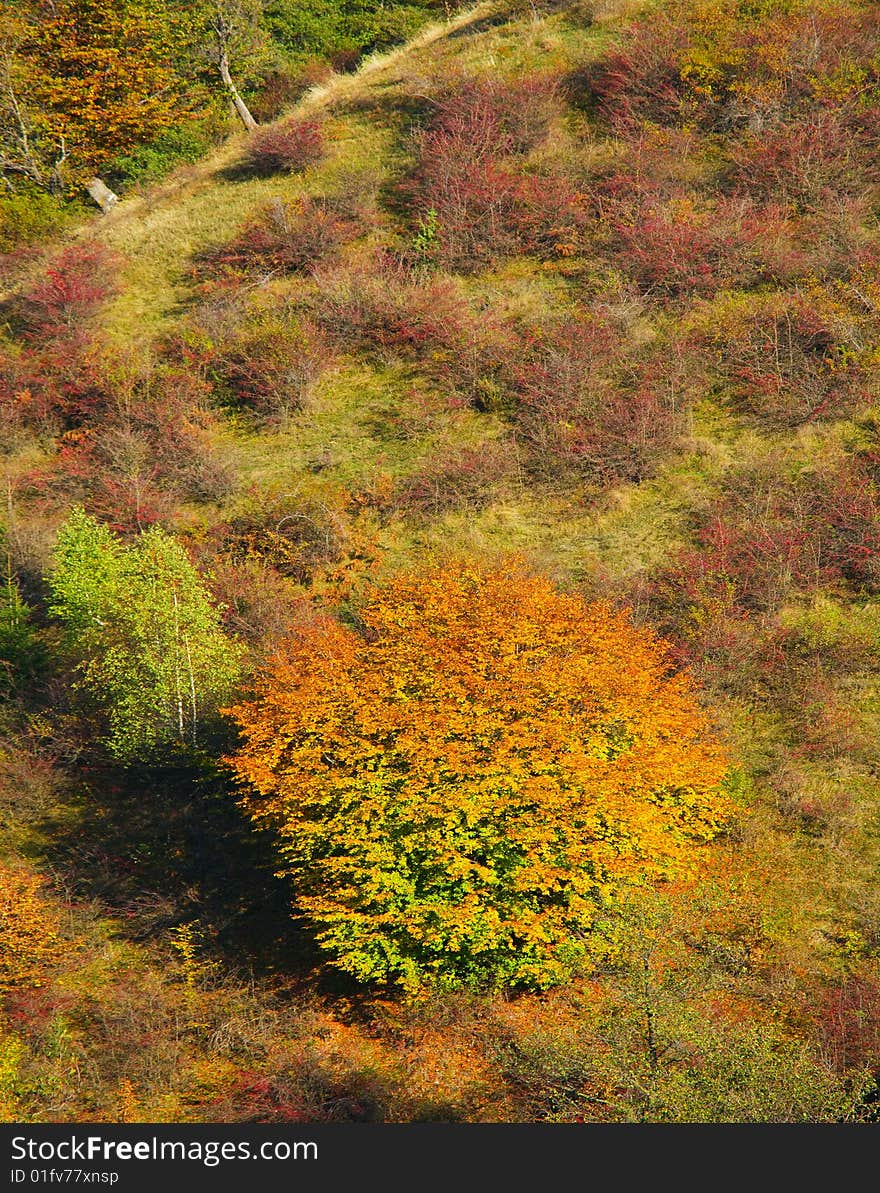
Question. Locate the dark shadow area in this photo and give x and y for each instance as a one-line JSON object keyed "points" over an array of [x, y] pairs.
{"points": [[577, 88], [869, 1106], [484, 24], [13, 316], [389, 106], [162, 847], [244, 171]]}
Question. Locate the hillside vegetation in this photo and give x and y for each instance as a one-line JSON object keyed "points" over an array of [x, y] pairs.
{"points": [[451, 513]]}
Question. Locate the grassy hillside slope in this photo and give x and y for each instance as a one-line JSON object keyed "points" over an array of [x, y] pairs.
{"points": [[634, 342]]}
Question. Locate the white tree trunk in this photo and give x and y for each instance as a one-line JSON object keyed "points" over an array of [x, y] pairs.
{"points": [[240, 106], [102, 194]]}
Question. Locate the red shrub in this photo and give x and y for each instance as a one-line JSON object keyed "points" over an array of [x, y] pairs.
{"points": [[641, 83], [20, 407], [486, 211], [463, 479], [293, 145], [584, 407], [666, 223], [484, 208], [675, 243], [385, 306], [788, 357], [78, 280], [268, 364], [294, 536], [252, 355], [848, 1018], [130, 465], [258, 605], [670, 249], [396, 312], [774, 245], [496, 117], [804, 162], [771, 533], [54, 388], [476, 361], [285, 238], [345, 61]]}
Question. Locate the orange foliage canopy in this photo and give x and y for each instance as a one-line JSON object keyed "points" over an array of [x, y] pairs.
{"points": [[464, 785], [85, 80]]}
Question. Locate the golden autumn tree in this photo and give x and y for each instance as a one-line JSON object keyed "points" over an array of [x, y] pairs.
{"points": [[83, 80], [465, 784]]}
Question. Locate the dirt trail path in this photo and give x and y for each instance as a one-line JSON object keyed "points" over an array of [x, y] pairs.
{"points": [[197, 204]]}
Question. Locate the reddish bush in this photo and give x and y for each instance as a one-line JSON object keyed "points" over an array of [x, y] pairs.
{"points": [[480, 207], [20, 406], [385, 306], [774, 245], [345, 61], [641, 83], [476, 361], [804, 162], [395, 312], [771, 533], [58, 378], [674, 243], [285, 238], [134, 462], [575, 399], [671, 249], [659, 229], [271, 367], [78, 280], [848, 1018], [258, 604], [253, 356], [484, 208], [53, 388], [584, 407], [290, 146], [788, 207], [463, 479], [497, 117], [787, 357]]}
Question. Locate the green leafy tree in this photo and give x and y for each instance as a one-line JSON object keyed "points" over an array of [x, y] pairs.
{"points": [[21, 652], [228, 44], [326, 27], [147, 637]]}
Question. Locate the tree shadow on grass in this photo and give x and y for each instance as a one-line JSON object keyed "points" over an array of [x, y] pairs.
{"points": [[160, 847]]}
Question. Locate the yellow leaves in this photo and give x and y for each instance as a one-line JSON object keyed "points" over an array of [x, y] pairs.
{"points": [[30, 945], [11, 1052]]}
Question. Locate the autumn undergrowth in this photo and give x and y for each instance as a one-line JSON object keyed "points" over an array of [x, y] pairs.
{"points": [[353, 397]]}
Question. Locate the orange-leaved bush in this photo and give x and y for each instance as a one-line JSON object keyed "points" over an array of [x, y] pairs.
{"points": [[30, 946], [464, 785]]}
